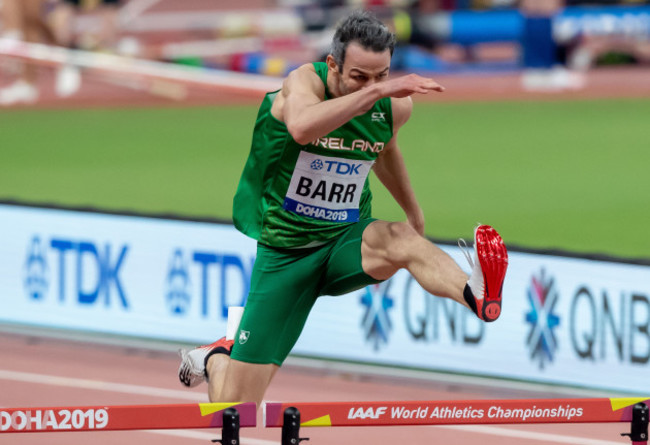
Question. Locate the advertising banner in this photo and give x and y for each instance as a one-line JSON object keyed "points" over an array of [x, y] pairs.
{"points": [[144, 277], [472, 27], [564, 320]]}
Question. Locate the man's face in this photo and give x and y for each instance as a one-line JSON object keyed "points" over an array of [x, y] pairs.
{"points": [[361, 68]]}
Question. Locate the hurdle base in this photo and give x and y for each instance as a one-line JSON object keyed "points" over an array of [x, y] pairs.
{"points": [[639, 425], [230, 428], [291, 427]]}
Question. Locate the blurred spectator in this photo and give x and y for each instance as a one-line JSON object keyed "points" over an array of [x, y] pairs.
{"points": [[29, 20], [544, 69], [611, 40], [53, 22], [606, 2], [432, 6], [539, 49], [102, 37], [22, 20], [483, 4]]}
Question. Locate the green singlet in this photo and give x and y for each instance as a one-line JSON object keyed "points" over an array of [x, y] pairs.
{"points": [[307, 206]]}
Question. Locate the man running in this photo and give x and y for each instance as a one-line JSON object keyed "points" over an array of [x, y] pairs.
{"points": [[304, 196]]}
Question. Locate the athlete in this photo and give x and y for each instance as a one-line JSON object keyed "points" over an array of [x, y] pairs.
{"points": [[35, 21], [304, 196]]}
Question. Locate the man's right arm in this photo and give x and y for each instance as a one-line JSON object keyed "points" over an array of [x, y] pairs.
{"points": [[308, 116], [305, 112]]}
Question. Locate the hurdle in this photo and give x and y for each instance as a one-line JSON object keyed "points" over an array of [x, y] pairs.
{"points": [[148, 73], [410, 413], [230, 417], [227, 416]]}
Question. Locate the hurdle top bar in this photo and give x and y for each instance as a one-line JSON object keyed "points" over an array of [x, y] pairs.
{"points": [[127, 417], [456, 412], [141, 68]]}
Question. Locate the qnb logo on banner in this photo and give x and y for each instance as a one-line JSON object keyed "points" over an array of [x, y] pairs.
{"points": [[81, 271], [610, 326], [595, 323], [429, 318], [198, 281], [376, 322], [425, 318], [543, 297]]}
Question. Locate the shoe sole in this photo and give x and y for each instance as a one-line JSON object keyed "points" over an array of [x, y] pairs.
{"points": [[493, 256], [185, 373]]}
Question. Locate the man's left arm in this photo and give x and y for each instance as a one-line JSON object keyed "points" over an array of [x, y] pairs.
{"points": [[391, 169]]}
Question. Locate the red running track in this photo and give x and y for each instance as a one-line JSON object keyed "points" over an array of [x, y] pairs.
{"points": [[37, 370]]}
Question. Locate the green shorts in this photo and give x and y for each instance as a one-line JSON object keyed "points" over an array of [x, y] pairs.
{"points": [[285, 284]]}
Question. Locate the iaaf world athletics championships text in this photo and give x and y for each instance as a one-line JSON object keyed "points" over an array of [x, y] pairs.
{"points": [[496, 412], [493, 412]]}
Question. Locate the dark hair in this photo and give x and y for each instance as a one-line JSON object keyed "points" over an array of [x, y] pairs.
{"points": [[365, 29]]}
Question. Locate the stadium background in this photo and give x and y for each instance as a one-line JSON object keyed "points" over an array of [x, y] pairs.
{"points": [[556, 166]]}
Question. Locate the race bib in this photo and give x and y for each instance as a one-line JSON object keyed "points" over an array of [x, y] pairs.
{"points": [[327, 188]]}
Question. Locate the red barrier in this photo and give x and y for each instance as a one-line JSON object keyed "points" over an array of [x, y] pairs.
{"points": [[457, 412], [128, 417]]}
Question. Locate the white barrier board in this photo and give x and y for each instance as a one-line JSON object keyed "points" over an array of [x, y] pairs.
{"points": [[144, 277], [564, 320]]}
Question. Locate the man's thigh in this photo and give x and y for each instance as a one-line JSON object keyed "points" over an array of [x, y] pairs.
{"points": [[345, 272], [284, 288]]}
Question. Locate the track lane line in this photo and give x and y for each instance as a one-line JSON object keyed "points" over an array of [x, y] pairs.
{"points": [[530, 435], [203, 436], [99, 385]]}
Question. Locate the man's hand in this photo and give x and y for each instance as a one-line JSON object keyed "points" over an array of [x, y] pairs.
{"points": [[408, 85]]}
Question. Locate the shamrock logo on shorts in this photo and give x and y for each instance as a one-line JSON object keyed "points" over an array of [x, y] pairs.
{"points": [[243, 336]]}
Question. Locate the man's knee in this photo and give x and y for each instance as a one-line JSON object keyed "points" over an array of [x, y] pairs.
{"points": [[400, 239], [402, 231], [387, 247], [244, 382]]}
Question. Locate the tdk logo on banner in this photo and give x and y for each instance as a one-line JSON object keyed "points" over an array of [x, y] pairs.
{"points": [[36, 271], [376, 323], [226, 275], [85, 271], [542, 296], [178, 282]]}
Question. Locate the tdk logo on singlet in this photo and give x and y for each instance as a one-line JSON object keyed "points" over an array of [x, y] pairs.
{"points": [[88, 273], [327, 187], [338, 167]]}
